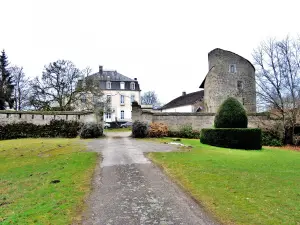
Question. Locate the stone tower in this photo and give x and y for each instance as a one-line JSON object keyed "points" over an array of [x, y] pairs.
{"points": [[229, 75]]}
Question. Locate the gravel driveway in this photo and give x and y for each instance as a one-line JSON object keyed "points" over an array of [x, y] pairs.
{"points": [[129, 190]]}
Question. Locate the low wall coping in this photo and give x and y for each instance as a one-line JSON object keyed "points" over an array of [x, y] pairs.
{"points": [[47, 112]]}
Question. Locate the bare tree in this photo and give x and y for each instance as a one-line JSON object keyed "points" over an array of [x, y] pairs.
{"points": [[278, 80], [150, 98], [21, 90], [58, 89]]}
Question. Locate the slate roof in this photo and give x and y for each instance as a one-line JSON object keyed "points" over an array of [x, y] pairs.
{"points": [[114, 77], [111, 76], [183, 100]]}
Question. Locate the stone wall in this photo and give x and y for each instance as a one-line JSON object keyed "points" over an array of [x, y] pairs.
{"points": [[175, 121], [40, 118]]}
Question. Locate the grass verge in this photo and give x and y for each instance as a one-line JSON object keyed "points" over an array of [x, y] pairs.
{"points": [[44, 181], [239, 187]]}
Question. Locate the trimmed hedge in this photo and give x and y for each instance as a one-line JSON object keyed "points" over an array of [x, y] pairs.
{"points": [[271, 139], [56, 128], [91, 130], [231, 114], [139, 129], [238, 138]]}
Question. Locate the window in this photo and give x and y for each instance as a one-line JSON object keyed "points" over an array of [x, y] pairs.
{"points": [[122, 114], [108, 99], [108, 85], [83, 99], [132, 98], [132, 86], [240, 85], [232, 68], [122, 85], [108, 116], [122, 99]]}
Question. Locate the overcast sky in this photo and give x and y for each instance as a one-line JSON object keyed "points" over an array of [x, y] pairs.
{"points": [[163, 43]]}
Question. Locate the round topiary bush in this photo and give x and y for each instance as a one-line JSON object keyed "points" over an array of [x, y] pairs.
{"points": [[91, 130], [231, 114], [139, 129]]}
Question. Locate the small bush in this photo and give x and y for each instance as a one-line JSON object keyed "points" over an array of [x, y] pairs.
{"points": [[139, 129], [91, 130], [271, 139], [187, 131], [231, 114], [158, 130], [239, 138]]}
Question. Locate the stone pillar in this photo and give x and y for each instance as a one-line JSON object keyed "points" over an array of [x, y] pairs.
{"points": [[136, 111]]}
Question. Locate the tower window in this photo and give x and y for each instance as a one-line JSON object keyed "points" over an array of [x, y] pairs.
{"points": [[240, 85], [232, 68]]}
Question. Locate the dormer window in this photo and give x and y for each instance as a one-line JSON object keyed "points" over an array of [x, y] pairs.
{"points": [[232, 68], [122, 85], [132, 86], [108, 85]]}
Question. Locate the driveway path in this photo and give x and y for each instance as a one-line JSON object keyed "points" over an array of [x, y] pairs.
{"points": [[129, 190]]}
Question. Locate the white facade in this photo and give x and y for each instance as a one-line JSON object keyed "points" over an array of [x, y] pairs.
{"points": [[120, 104], [185, 108]]}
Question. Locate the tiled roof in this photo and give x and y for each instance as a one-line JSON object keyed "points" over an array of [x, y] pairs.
{"points": [[183, 100]]}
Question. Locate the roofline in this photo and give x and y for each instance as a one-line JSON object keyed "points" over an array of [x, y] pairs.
{"points": [[163, 107], [233, 54]]}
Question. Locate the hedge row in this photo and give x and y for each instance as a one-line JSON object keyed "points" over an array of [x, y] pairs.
{"points": [[56, 128], [238, 138]]}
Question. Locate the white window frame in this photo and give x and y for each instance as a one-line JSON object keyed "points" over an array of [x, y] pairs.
{"points": [[122, 99], [234, 68], [132, 98], [122, 85], [108, 115], [108, 85], [108, 99], [132, 85], [122, 116]]}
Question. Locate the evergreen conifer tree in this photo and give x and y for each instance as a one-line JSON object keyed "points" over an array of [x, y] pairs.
{"points": [[6, 83]]}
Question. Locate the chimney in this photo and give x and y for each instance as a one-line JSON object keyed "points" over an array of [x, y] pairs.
{"points": [[100, 70], [183, 93], [135, 78]]}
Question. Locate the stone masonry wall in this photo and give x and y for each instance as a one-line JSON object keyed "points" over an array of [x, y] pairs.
{"points": [[41, 118], [175, 121], [221, 83]]}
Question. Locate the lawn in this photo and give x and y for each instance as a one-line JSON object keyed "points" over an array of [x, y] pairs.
{"points": [[44, 181], [239, 187]]}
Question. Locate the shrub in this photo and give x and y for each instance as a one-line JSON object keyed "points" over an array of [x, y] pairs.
{"points": [[187, 131], [139, 129], [270, 138], [158, 130], [239, 138], [56, 128], [231, 114], [91, 130]]}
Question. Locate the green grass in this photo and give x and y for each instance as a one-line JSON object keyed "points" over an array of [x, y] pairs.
{"points": [[118, 129], [27, 167], [239, 187]]}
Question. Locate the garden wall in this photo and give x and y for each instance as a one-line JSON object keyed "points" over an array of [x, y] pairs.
{"points": [[41, 118], [175, 120]]}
